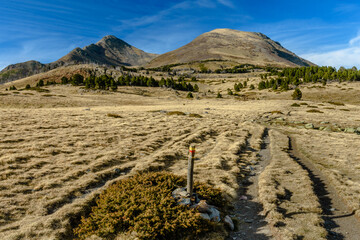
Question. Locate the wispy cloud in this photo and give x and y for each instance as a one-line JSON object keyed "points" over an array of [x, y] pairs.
{"points": [[226, 3], [347, 56], [146, 20]]}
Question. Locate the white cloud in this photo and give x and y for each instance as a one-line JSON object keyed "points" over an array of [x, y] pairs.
{"points": [[347, 57], [354, 40], [226, 3]]}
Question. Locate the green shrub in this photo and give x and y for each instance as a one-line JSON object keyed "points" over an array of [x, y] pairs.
{"points": [[143, 204], [175, 113], [64, 80], [295, 105], [189, 95], [252, 87], [297, 94], [219, 95], [114, 115], [27, 86], [314, 111], [40, 83]]}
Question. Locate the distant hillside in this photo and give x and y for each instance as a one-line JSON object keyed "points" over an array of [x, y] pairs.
{"points": [[108, 51], [238, 46], [20, 70]]}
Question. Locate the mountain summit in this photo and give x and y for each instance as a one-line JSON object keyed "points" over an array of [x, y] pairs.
{"points": [[110, 51], [233, 45]]}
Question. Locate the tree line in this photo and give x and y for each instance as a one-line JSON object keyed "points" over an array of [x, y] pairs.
{"points": [[105, 82], [313, 74]]}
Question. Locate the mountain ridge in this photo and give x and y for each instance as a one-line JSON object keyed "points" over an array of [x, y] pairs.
{"points": [[110, 50]]}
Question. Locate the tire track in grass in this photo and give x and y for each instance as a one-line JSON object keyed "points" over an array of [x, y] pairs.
{"points": [[247, 209], [338, 221]]}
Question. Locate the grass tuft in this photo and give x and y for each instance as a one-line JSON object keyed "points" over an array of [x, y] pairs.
{"points": [[314, 111], [337, 103]]}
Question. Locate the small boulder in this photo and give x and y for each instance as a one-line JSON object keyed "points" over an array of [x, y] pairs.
{"points": [[205, 216], [214, 215], [228, 221], [179, 193], [203, 207]]}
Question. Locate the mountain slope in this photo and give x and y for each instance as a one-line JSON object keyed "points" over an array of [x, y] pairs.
{"points": [[108, 51], [20, 70], [238, 46]]}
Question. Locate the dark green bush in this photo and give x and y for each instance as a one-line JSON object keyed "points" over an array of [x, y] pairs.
{"points": [[295, 105], [189, 95], [297, 94], [143, 204], [114, 115]]}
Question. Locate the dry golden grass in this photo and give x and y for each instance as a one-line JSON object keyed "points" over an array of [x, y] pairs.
{"points": [[58, 152], [54, 161]]}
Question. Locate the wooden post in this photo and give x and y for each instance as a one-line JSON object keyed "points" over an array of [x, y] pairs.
{"points": [[190, 182]]}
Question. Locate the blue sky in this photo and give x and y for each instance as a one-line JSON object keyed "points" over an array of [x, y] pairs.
{"points": [[325, 32]]}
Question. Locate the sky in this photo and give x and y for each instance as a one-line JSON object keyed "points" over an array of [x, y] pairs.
{"points": [[324, 32]]}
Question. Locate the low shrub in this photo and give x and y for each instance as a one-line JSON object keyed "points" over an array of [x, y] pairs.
{"points": [[175, 113], [297, 94], [337, 103], [314, 111], [189, 95], [195, 115], [295, 105], [114, 115], [143, 205]]}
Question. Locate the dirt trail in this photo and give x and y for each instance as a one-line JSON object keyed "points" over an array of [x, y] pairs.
{"points": [[339, 222], [247, 209]]}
